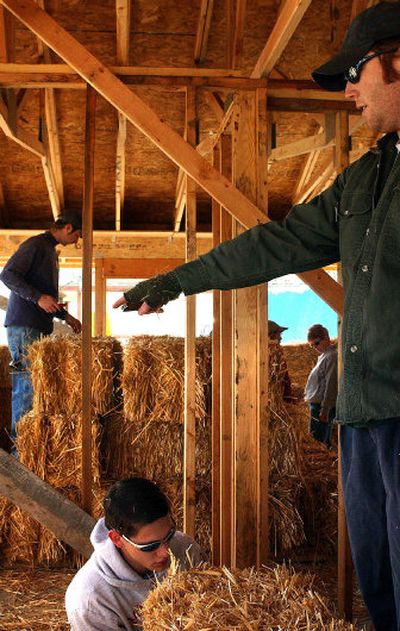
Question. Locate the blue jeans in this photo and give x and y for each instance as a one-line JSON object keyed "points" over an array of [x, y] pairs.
{"points": [[19, 338], [320, 430], [371, 488]]}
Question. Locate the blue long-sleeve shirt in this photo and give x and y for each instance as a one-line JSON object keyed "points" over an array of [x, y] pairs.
{"points": [[31, 272]]}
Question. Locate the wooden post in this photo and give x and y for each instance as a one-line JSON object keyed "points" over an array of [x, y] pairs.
{"points": [[100, 298], [87, 234], [345, 564], [226, 379], [216, 389], [250, 340], [189, 481], [41, 501]]}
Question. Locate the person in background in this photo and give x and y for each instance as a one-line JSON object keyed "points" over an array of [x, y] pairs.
{"points": [[275, 333], [356, 221], [132, 545], [322, 385], [32, 276]]}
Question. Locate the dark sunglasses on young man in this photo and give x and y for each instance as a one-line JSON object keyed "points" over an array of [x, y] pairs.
{"points": [[152, 545], [315, 343], [354, 72]]}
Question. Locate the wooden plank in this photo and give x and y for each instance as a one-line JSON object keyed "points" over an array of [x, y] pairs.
{"points": [[263, 507], [226, 380], [215, 105], [215, 393], [189, 471], [111, 244], [203, 30], [140, 115], [87, 227], [317, 142], [342, 145], [288, 20], [67, 521], [123, 25], [123, 19], [247, 424], [237, 48], [138, 268], [100, 298], [53, 141]]}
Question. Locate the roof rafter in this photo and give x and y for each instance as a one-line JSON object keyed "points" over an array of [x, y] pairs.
{"points": [[203, 30], [288, 20], [237, 45]]}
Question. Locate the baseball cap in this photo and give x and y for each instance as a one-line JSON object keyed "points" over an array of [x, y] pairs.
{"points": [[379, 22], [274, 327]]}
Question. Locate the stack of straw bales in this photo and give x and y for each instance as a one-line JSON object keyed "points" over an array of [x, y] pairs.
{"points": [[147, 439], [318, 500], [49, 438], [5, 397], [217, 598]]}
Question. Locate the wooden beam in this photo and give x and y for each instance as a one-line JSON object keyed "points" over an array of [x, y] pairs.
{"points": [[215, 105], [248, 494], [288, 20], [143, 117], [189, 470], [123, 25], [67, 521], [138, 268], [317, 142], [111, 244], [216, 393], [123, 19], [87, 228], [226, 380], [100, 298], [237, 48], [203, 30]]}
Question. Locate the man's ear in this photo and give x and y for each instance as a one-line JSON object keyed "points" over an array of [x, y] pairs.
{"points": [[115, 538]]}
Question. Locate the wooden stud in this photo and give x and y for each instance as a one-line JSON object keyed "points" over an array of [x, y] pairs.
{"points": [[226, 380], [87, 234], [215, 396], [189, 476], [100, 298]]}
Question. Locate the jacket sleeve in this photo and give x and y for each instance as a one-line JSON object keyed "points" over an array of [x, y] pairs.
{"points": [[17, 268], [307, 239], [331, 384]]}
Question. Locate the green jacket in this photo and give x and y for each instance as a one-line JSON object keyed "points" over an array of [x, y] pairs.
{"points": [[355, 221]]}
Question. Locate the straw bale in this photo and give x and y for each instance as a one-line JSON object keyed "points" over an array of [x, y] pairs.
{"points": [[153, 449], [56, 374], [235, 600], [51, 447], [5, 358], [153, 379]]}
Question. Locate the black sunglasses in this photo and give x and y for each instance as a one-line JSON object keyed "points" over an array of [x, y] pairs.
{"points": [[315, 343], [152, 545], [354, 72]]}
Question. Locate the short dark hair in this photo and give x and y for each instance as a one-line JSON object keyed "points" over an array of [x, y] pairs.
{"points": [[317, 330], [388, 45], [132, 503], [69, 216]]}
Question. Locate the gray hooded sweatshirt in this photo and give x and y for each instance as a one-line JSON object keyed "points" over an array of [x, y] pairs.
{"points": [[106, 593]]}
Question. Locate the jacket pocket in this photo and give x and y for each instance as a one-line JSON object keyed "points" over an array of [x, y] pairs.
{"points": [[354, 215]]}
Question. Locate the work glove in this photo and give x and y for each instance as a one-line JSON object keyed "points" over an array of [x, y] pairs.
{"points": [[155, 292]]}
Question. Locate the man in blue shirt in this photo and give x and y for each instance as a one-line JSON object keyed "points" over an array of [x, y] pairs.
{"points": [[32, 276]]}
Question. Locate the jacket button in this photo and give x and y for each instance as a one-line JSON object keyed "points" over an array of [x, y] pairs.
{"points": [[346, 212], [354, 348], [367, 232], [365, 268]]}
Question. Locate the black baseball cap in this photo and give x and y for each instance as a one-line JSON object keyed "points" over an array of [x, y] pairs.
{"points": [[368, 28]]}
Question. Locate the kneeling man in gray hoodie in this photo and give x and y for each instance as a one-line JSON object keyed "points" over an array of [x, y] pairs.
{"points": [[132, 545]]}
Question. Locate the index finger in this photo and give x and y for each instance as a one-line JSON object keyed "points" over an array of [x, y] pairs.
{"points": [[118, 303]]}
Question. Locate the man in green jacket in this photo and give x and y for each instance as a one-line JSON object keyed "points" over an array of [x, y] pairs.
{"points": [[356, 221]]}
